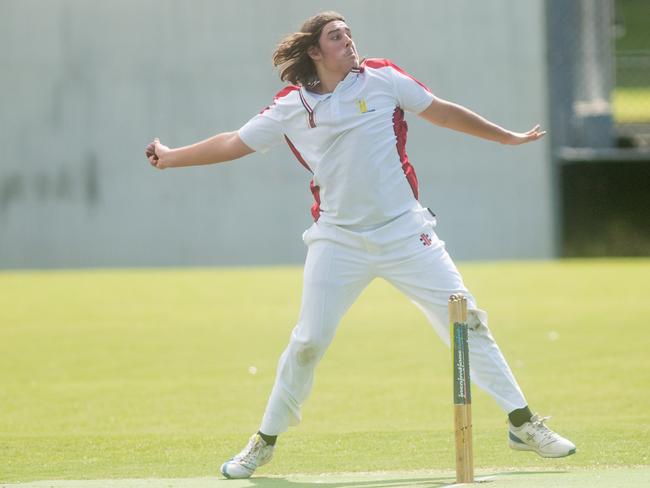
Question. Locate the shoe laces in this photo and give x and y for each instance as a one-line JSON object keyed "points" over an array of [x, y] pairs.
{"points": [[539, 425], [248, 455]]}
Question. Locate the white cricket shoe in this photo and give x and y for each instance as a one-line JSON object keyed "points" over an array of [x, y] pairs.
{"points": [[535, 436], [255, 454]]}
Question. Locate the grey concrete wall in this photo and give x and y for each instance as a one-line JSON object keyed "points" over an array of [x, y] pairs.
{"points": [[84, 85]]}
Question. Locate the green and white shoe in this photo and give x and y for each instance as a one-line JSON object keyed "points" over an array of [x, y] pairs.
{"points": [[257, 453], [536, 436]]}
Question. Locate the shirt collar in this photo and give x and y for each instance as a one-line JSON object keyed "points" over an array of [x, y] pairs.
{"points": [[313, 98]]}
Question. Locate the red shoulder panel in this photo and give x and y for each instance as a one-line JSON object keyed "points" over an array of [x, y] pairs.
{"points": [[387, 63], [282, 93]]}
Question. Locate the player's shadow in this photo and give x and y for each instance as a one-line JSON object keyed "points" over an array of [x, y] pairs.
{"points": [[433, 482], [424, 482]]}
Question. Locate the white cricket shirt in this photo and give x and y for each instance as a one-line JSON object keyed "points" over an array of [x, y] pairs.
{"points": [[352, 140]]}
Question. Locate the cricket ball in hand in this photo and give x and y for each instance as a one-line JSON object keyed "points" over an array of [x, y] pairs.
{"points": [[151, 151]]}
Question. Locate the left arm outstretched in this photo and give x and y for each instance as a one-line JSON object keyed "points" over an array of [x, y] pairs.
{"points": [[453, 116]]}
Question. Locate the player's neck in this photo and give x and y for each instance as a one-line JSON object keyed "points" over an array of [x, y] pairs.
{"points": [[328, 80]]}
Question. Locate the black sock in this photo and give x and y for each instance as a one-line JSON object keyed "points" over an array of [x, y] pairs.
{"points": [[269, 439], [520, 416]]}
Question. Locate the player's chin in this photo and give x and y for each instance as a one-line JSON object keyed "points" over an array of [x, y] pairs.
{"points": [[352, 62]]}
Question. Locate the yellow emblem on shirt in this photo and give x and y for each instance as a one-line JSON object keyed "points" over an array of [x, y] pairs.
{"points": [[363, 108]]}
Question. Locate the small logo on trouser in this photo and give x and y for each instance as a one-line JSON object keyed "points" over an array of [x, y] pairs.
{"points": [[425, 239]]}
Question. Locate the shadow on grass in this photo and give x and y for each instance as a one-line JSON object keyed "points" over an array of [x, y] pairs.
{"points": [[435, 482], [518, 473], [426, 482]]}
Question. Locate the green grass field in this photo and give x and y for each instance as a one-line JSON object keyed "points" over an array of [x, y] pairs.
{"points": [[149, 374], [631, 97], [633, 15], [631, 105]]}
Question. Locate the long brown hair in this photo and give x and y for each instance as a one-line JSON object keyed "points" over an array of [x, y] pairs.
{"points": [[291, 55]]}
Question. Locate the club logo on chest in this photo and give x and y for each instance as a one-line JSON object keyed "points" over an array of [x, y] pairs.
{"points": [[363, 106]]}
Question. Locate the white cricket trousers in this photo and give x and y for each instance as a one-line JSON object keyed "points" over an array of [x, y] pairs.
{"points": [[340, 264]]}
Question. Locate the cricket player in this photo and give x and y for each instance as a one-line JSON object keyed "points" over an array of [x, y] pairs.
{"points": [[344, 121]]}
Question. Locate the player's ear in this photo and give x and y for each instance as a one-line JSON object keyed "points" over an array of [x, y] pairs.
{"points": [[314, 53]]}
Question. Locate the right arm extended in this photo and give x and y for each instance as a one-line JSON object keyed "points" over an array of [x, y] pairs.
{"points": [[217, 149]]}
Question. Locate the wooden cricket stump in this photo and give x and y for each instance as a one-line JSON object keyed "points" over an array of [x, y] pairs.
{"points": [[462, 389]]}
